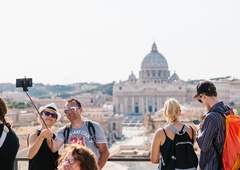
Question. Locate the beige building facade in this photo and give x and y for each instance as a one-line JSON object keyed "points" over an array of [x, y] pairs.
{"points": [[147, 94]]}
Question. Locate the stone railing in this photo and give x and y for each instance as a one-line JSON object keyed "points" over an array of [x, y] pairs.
{"points": [[22, 163]]}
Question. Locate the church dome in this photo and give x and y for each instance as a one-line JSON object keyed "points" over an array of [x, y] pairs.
{"points": [[154, 60], [174, 77], [132, 76]]}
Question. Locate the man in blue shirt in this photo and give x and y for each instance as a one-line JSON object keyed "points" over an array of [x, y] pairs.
{"points": [[212, 129]]}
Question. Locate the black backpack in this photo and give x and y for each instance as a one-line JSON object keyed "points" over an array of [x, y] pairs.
{"points": [[182, 154], [91, 130]]}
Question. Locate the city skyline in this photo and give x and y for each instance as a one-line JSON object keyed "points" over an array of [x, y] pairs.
{"points": [[65, 42]]}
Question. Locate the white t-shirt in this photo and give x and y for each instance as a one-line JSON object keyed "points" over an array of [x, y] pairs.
{"points": [[81, 135]]}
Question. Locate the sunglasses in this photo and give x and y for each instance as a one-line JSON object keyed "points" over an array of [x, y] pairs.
{"points": [[72, 109], [53, 115], [199, 99], [70, 161]]}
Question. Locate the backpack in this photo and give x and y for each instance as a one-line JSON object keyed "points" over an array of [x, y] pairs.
{"points": [[91, 131], [182, 154], [230, 158]]}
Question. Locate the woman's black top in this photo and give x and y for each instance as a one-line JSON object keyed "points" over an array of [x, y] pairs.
{"points": [[45, 159], [9, 149]]}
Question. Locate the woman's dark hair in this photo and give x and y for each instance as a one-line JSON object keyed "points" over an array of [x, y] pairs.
{"points": [[3, 112]]}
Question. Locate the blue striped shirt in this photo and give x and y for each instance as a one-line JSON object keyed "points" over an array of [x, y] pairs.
{"points": [[212, 130]]}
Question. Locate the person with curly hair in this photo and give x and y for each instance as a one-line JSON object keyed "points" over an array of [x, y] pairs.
{"points": [[78, 157]]}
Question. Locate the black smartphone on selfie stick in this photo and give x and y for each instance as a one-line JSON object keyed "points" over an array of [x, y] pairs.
{"points": [[25, 83]]}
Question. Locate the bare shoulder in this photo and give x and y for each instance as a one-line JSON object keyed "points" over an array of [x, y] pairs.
{"points": [[190, 128], [159, 133], [159, 136], [191, 131], [33, 134], [32, 137]]}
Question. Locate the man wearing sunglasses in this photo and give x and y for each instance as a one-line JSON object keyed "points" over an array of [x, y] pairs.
{"points": [[79, 133], [40, 155], [210, 138]]}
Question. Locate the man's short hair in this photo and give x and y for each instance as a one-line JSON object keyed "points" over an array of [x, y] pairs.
{"points": [[75, 100]]}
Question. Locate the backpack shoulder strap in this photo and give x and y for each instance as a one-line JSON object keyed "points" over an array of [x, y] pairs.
{"points": [[222, 112], [91, 130], [192, 133], [174, 130], [218, 111], [66, 132], [184, 128], [4, 135]]}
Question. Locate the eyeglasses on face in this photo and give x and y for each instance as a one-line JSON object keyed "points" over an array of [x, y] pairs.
{"points": [[53, 115], [72, 109], [70, 161]]}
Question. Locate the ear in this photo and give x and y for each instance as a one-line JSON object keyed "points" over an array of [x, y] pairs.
{"points": [[80, 109], [203, 96]]}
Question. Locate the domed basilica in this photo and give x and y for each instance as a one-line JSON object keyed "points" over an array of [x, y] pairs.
{"points": [[154, 86]]}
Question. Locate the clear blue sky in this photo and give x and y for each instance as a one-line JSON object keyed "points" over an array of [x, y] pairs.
{"points": [[62, 42]]}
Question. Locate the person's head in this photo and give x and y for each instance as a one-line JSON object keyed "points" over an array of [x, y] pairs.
{"points": [[78, 157], [50, 114], [3, 112], [172, 110], [205, 88], [73, 109]]}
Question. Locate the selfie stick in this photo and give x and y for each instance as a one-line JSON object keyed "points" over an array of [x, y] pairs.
{"points": [[25, 83], [37, 109]]}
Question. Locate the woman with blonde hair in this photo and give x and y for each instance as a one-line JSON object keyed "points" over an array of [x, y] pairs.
{"points": [[163, 140], [78, 157]]}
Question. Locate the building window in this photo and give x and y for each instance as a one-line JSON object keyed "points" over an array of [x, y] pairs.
{"points": [[114, 126], [136, 109], [150, 109]]}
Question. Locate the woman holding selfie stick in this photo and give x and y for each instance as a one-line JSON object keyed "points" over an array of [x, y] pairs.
{"points": [[40, 155]]}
